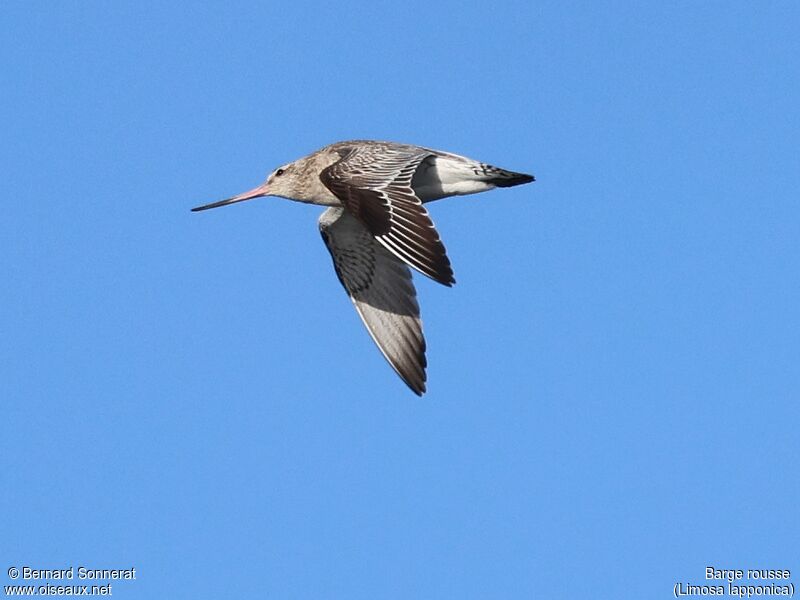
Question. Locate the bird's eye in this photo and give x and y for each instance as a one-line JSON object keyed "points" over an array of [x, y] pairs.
{"points": [[279, 172]]}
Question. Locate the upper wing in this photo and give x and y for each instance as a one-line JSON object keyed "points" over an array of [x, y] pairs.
{"points": [[374, 184], [381, 289]]}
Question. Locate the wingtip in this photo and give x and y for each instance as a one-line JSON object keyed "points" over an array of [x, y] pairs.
{"points": [[418, 382], [444, 276]]}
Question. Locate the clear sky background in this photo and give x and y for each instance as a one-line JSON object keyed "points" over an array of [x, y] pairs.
{"points": [[613, 382]]}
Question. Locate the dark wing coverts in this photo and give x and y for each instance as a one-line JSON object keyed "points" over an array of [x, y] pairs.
{"points": [[374, 185]]}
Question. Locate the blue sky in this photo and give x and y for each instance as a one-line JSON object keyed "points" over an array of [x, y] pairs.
{"points": [[613, 382]]}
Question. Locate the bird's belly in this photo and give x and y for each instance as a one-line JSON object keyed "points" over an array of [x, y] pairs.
{"points": [[326, 201]]}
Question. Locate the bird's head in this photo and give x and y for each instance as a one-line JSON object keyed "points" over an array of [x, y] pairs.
{"points": [[278, 183]]}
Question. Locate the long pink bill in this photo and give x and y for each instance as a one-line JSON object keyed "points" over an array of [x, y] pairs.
{"points": [[254, 193]]}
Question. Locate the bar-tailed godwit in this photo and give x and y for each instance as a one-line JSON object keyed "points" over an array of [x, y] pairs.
{"points": [[377, 227]]}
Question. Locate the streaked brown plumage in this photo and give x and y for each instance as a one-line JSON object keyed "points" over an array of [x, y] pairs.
{"points": [[376, 227]]}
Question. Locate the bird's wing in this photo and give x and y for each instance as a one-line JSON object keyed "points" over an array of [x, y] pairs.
{"points": [[375, 187], [381, 289]]}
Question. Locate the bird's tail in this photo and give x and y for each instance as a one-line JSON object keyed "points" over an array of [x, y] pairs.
{"points": [[502, 178], [452, 175]]}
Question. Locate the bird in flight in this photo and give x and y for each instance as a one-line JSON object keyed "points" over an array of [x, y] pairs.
{"points": [[376, 227]]}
